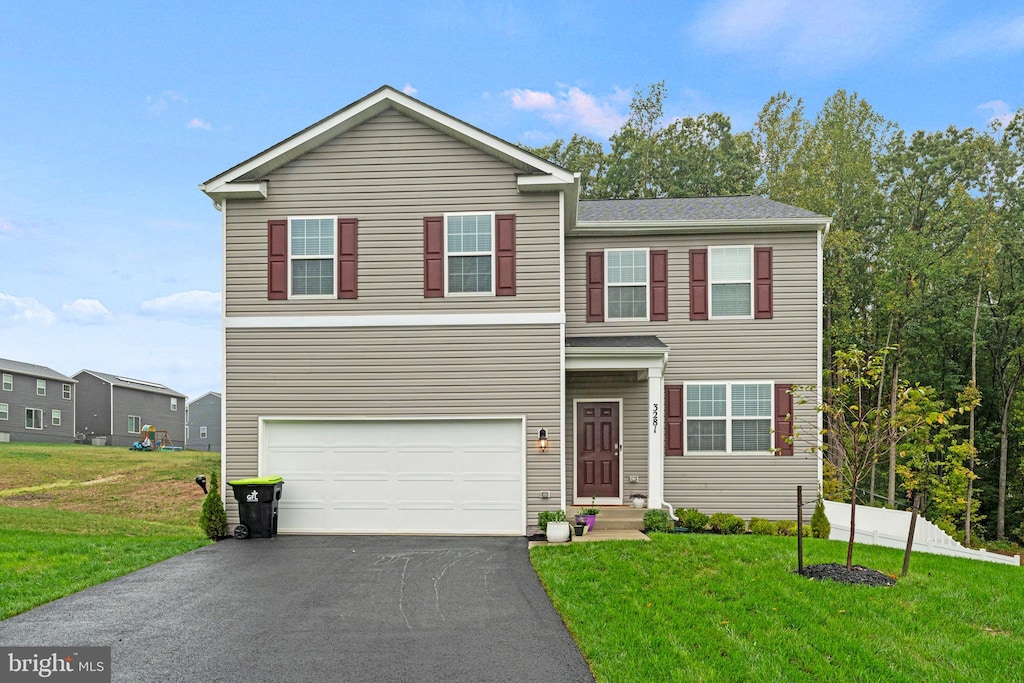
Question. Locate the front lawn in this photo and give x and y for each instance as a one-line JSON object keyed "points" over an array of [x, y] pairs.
{"points": [[730, 608], [72, 516]]}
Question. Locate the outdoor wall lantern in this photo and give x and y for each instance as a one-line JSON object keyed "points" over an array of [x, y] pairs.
{"points": [[542, 440]]}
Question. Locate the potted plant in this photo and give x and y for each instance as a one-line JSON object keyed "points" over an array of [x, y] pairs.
{"points": [[553, 523], [588, 514], [639, 500], [580, 528]]}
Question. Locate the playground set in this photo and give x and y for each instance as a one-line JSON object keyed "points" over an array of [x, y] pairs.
{"points": [[152, 439]]}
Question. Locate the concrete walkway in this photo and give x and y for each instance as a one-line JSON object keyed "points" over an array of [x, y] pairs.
{"points": [[321, 608]]}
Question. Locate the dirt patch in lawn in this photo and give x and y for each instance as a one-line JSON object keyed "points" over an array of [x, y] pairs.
{"points": [[859, 575]]}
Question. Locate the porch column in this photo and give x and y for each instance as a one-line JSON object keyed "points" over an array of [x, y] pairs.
{"points": [[655, 437]]}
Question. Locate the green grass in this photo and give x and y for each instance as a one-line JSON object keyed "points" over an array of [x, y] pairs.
{"points": [[720, 608], [72, 516]]}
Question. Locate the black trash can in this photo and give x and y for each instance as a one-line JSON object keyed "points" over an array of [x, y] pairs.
{"points": [[257, 506]]}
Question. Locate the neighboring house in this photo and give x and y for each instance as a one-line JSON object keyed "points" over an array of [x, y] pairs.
{"points": [[411, 303], [36, 403], [202, 429], [117, 407]]}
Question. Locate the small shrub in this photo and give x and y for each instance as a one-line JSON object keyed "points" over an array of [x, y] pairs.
{"points": [[762, 526], [785, 527], [692, 519], [820, 527], [213, 520], [549, 516], [724, 523], [657, 520]]}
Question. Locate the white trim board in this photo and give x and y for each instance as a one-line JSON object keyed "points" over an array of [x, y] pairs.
{"points": [[396, 320]]}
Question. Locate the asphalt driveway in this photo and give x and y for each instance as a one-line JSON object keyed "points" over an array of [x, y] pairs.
{"points": [[321, 608]]}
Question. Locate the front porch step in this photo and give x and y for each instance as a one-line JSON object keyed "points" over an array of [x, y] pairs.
{"points": [[613, 517]]}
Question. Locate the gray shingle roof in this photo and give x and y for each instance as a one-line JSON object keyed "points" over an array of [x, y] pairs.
{"points": [[141, 385], [617, 342], [743, 207], [40, 371]]}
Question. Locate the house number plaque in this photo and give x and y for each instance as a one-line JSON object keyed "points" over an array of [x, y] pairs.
{"points": [[654, 417]]}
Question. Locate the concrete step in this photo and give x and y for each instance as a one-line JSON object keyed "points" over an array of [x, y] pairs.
{"points": [[613, 517]]}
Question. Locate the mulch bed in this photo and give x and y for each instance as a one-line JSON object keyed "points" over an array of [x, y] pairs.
{"points": [[859, 575]]}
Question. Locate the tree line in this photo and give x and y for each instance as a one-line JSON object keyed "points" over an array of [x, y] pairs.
{"points": [[924, 272]]}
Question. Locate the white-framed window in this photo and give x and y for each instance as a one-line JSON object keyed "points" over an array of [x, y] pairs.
{"points": [[134, 424], [4, 414], [728, 417], [66, 392], [469, 253], [627, 280], [731, 280], [202, 432], [174, 403], [312, 256], [8, 382], [40, 387], [33, 418], [55, 418]]}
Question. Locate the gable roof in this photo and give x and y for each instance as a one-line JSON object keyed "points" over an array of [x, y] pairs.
{"points": [[247, 179], [208, 393], [40, 371], [740, 212], [129, 383]]}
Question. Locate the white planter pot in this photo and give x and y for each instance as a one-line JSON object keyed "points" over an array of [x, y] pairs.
{"points": [[639, 502], [558, 532]]}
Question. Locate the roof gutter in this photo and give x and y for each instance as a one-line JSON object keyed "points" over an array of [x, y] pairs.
{"points": [[641, 226]]}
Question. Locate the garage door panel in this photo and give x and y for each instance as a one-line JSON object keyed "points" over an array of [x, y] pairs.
{"points": [[430, 476]]}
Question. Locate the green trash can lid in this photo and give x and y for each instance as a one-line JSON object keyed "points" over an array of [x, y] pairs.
{"points": [[256, 481]]}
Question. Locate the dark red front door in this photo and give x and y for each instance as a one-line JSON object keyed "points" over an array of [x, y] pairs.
{"points": [[597, 450]]}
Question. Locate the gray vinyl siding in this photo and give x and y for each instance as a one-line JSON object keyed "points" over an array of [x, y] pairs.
{"points": [[390, 173], [588, 386], [396, 372], [24, 396], [93, 410], [781, 350], [204, 412], [153, 409]]}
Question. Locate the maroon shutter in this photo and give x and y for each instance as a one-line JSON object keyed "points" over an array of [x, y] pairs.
{"points": [[277, 259], [595, 286], [348, 255], [433, 256], [505, 237], [783, 419], [659, 284], [674, 420], [762, 282], [698, 284]]}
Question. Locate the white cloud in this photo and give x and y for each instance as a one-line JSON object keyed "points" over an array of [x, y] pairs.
{"points": [[806, 35], [25, 308], [8, 229], [409, 90], [158, 105], [993, 35], [195, 302], [86, 311], [197, 123], [573, 109], [1000, 112]]}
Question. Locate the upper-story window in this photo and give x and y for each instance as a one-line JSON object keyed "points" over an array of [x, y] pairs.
{"points": [[627, 283], [66, 392], [732, 281], [174, 403], [8, 383], [469, 253], [311, 256], [40, 387]]}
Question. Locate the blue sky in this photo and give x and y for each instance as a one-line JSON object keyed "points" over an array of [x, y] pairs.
{"points": [[111, 114]]}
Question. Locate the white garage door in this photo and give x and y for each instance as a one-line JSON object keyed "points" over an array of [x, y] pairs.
{"points": [[402, 476]]}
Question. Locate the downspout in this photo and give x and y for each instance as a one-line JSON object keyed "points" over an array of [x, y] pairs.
{"points": [[665, 503]]}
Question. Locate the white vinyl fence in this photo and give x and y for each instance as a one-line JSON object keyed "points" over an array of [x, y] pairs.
{"points": [[889, 528]]}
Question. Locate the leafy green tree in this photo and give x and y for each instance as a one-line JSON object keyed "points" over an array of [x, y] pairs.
{"points": [[700, 157], [581, 155]]}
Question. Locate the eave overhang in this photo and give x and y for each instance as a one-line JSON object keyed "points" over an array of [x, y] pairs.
{"points": [[642, 227]]}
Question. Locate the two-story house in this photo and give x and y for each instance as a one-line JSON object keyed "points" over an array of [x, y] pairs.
{"points": [[36, 403], [426, 331], [117, 408], [202, 426]]}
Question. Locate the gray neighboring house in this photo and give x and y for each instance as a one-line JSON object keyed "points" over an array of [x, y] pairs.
{"points": [[428, 331], [117, 407], [36, 403], [203, 420]]}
